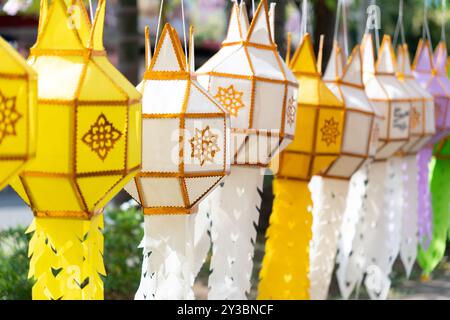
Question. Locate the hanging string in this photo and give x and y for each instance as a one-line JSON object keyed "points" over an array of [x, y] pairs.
{"points": [[253, 8], [399, 28], [344, 25], [341, 10], [184, 32], [376, 32], [304, 25], [426, 28], [159, 21], [444, 20], [91, 11]]}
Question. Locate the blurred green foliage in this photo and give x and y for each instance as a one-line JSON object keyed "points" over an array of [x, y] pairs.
{"points": [[122, 257]]}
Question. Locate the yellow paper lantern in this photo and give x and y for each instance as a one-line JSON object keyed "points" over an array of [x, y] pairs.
{"points": [[18, 99], [317, 143], [89, 147]]}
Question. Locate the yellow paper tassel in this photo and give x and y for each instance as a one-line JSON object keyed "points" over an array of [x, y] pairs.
{"points": [[67, 258], [285, 267]]}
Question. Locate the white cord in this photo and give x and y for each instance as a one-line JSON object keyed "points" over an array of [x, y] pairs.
{"points": [[159, 21], [399, 28], [184, 32], [344, 25], [444, 11], [253, 8], [91, 11]]}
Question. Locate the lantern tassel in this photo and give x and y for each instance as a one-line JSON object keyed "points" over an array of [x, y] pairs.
{"points": [[409, 242], [376, 241], [234, 215], [425, 210], [329, 197], [66, 258], [430, 257], [168, 258], [349, 272], [285, 267]]}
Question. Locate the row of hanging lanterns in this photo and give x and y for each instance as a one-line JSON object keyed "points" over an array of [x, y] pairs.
{"points": [[192, 147]]}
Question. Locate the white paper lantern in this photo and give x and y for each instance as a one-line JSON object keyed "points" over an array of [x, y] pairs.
{"points": [[422, 124], [249, 78], [185, 135], [387, 95], [347, 84]]}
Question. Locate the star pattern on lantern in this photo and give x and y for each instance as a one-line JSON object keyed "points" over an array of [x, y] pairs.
{"points": [[204, 145], [415, 118], [102, 136], [291, 111], [330, 131], [8, 117], [230, 99]]}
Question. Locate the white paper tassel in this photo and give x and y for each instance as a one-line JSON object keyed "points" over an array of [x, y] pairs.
{"points": [[349, 270], [409, 233], [202, 240], [168, 258], [382, 227], [234, 214], [328, 197]]}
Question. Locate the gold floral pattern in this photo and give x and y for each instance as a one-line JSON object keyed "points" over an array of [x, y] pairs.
{"points": [[330, 131], [230, 99], [8, 117], [415, 118], [204, 145], [291, 111], [101, 137]]}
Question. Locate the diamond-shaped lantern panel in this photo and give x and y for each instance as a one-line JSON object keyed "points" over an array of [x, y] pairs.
{"points": [[434, 79], [320, 120], [18, 106], [185, 134], [249, 78], [387, 95], [89, 118], [360, 136], [422, 126]]}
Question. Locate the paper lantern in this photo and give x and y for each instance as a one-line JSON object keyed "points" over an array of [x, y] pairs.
{"points": [[89, 147], [387, 95], [348, 86], [18, 98], [248, 77], [434, 79], [422, 128], [317, 143], [358, 150], [186, 154]]}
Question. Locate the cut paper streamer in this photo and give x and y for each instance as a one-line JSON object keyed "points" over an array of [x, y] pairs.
{"points": [[422, 128], [430, 257], [89, 147], [388, 97], [330, 191], [430, 73], [248, 77], [317, 143], [186, 154], [18, 107]]}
